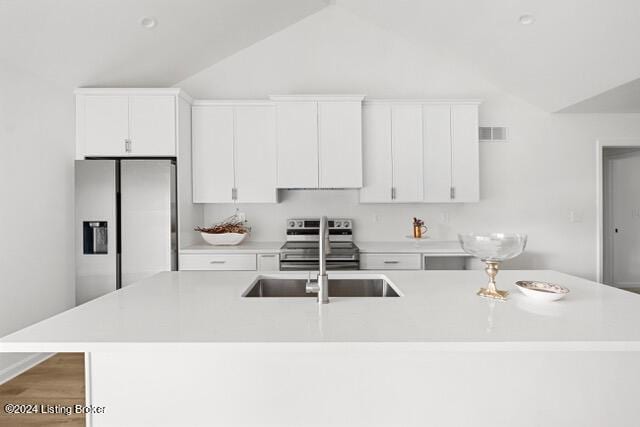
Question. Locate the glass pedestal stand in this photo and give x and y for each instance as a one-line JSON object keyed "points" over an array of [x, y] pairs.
{"points": [[492, 249]]}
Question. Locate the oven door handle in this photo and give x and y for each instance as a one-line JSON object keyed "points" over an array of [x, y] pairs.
{"points": [[309, 266], [308, 258]]}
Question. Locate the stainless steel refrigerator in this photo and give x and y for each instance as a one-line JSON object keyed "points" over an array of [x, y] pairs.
{"points": [[125, 223]]}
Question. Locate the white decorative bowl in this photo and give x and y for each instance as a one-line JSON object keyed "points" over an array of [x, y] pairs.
{"points": [[224, 239], [542, 291]]}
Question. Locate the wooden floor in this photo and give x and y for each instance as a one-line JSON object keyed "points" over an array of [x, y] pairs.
{"points": [[58, 380]]}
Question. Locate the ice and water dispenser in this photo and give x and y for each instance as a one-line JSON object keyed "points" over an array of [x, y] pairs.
{"points": [[94, 239]]}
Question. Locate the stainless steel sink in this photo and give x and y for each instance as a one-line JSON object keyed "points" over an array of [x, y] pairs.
{"points": [[265, 287]]}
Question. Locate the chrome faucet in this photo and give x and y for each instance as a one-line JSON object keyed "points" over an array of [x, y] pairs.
{"points": [[321, 284]]}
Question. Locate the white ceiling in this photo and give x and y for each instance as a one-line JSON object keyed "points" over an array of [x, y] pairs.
{"points": [[101, 43], [622, 99], [575, 49]]}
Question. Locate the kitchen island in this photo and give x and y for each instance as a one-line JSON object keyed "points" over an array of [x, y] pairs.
{"points": [[185, 348]]}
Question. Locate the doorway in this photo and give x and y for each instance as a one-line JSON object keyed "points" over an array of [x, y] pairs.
{"points": [[620, 186]]}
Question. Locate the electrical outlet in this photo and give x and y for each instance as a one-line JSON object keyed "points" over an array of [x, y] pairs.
{"points": [[635, 212], [377, 218], [444, 217], [575, 216]]}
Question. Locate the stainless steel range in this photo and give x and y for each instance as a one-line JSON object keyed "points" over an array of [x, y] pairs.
{"points": [[301, 251]]}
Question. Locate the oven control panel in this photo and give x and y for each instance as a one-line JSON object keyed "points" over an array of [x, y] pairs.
{"points": [[308, 229], [315, 223]]}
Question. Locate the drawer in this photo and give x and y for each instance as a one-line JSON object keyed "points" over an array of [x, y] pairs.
{"points": [[220, 262], [390, 261], [268, 262]]}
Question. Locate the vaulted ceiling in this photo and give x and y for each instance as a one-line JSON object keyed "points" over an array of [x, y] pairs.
{"points": [[574, 50], [101, 42], [578, 55]]}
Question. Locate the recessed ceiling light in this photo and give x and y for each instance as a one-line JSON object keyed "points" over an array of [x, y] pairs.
{"points": [[527, 19], [148, 22]]}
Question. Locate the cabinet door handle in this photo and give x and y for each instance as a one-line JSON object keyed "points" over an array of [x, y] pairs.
{"points": [[217, 262], [453, 193], [391, 262], [268, 256], [127, 145], [234, 194], [393, 193]]}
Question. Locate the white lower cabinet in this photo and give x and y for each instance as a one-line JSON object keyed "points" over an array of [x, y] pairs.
{"points": [[268, 262], [390, 261], [220, 262]]}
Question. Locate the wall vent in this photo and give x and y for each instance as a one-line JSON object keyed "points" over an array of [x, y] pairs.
{"points": [[496, 134]]}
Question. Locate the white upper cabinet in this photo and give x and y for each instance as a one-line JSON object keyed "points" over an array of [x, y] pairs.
{"points": [[234, 152], [430, 147], [213, 159], [104, 123], [392, 153], [255, 154], [437, 153], [376, 154], [451, 155], [319, 140], [297, 136], [126, 122], [465, 164], [340, 144], [152, 125], [406, 142]]}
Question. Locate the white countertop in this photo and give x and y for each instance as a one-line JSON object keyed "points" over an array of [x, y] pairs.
{"points": [[423, 246], [427, 246], [439, 310], [245, 247]]}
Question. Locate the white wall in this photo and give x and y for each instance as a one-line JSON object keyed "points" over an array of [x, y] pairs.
{"points": [[530, 184], [36, 202]]}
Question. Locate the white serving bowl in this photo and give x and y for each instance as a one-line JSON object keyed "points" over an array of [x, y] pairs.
{"points": [[224, 239], [542, 291]]}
